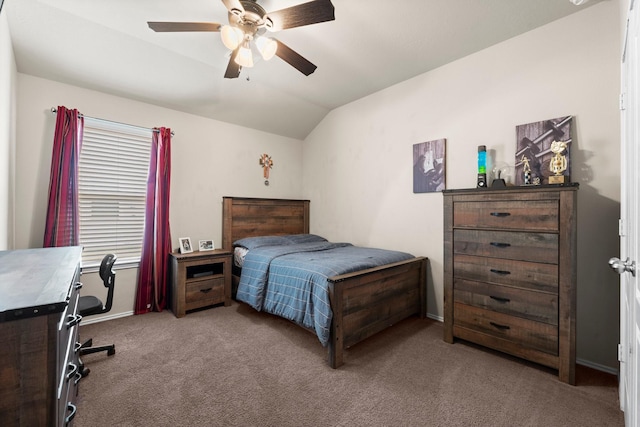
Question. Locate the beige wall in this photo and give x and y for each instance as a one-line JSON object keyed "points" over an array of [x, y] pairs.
{"points": [[8, 76], [210, 159], [358, 161]]}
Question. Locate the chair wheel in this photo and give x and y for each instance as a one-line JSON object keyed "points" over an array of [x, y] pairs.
{"points": [[111, 352], [84, 372]]}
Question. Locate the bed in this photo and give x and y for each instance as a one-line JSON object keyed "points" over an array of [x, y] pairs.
{"points": [[362, 302]]}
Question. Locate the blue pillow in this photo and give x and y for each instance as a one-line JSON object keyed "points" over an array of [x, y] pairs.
{"points": [[291, 239], [256, 242], [305, 238]]}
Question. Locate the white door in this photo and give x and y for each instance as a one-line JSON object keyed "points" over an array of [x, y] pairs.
{"points": [[629, 226]]}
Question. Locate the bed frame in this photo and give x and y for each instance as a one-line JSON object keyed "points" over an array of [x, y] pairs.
{"points": [[364, 302]]}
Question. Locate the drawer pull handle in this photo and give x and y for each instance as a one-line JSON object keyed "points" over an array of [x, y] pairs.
{"points": [[78, 378], [501, 272], [500, 214], [72, 368], [499, 299], [70, 407], [500, 245], [499, 326], [73, 320], [204, 291], [78, 285]]}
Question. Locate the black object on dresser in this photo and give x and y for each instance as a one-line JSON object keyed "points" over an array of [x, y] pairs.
{"points": [[510, 272], [39, 290]]}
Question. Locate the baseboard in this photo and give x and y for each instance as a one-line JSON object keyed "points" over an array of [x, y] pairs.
{"points": [[435, 317], [597, 366], [96, 319]]}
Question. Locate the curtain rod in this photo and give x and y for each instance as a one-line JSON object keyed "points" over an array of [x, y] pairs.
{"points": [[55, 110]]}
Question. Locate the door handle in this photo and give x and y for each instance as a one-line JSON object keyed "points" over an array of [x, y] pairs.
{"points": [[622, 266]]}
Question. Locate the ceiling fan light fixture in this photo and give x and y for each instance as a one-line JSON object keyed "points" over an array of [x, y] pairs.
{"points": [[267, 47], [231, 36], [248, 21], [244, 58]]}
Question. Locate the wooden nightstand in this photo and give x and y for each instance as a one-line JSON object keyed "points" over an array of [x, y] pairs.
{"points": [[200, 279]]}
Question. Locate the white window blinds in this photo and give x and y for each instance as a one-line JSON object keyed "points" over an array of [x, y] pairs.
{"points": [[113, 168]]}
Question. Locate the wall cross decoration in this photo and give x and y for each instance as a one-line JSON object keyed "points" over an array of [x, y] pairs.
{"points": [[266, 163]]}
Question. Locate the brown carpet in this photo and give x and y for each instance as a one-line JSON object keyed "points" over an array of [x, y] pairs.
{"points": [[233, 366]]}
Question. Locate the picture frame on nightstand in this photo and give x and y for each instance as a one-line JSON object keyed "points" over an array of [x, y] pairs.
{"points": [[206, 245], [185, 245]]}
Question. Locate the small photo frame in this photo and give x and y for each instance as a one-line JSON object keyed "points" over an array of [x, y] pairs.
{"points": [[205, 245], [185, 245]]}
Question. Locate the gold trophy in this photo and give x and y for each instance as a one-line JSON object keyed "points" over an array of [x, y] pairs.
{"points": [[526, 170], [558, 163]]}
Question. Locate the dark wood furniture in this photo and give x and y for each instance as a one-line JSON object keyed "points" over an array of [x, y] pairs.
{"points": [[39, 336], [200, 279], [363, 302], [510, 272]]}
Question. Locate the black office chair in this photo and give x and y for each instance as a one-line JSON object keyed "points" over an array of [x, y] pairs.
{"points": [[90, 305]]}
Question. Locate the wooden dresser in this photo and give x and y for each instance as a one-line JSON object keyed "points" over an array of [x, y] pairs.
{"points": [[39, 336], [199, 279], [510, 272]]}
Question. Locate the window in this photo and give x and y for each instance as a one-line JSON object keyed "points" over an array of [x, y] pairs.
{"points": [[113, 168]]}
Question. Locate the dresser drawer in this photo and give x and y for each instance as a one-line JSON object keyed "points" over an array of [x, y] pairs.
{"points": [[67, 331], [524, 246], [534, 215], [520, 274], [204, 292], [526, 333], [68, 384], [532, 305], [68, 353]]}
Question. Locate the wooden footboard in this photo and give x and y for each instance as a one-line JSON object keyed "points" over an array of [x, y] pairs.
{"points": [[368, 301]]}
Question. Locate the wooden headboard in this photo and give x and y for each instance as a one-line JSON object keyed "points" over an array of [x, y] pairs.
{"points": [[248, 217]]}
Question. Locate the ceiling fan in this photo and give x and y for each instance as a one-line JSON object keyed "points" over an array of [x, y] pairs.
{"points": [[248, 22]]}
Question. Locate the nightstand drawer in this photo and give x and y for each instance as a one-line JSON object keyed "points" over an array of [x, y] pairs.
{"points": [[526, 333], [524, 246], [534, 215], [532, 305], [205, 290], [520, 274]]}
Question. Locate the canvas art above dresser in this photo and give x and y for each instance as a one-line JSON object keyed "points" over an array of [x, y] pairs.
{"points": [[510, 272]]}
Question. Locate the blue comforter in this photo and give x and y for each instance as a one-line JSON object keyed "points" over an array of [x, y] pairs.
{"points": [[291, 280]]}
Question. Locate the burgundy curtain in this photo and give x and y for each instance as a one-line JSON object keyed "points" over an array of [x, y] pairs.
{"points": [[152, 291], [62, 222]]}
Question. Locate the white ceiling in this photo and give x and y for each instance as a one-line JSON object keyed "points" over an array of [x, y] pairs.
{"points": [[107, 46]]}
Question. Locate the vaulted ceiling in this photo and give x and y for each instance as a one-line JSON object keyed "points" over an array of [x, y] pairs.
{"points": [[106, 45]]}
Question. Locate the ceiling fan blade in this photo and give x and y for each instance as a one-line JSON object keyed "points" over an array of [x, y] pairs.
{"points": [[234, 6], [294, 59], [233, 69], [184, 26], [309, 13]]}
